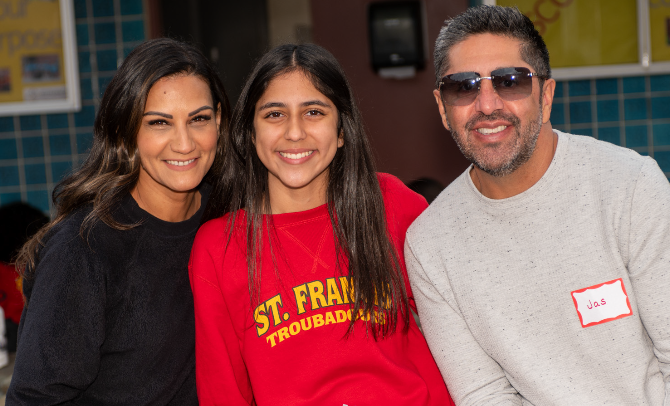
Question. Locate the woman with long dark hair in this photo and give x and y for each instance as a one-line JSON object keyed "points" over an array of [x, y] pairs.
{"points": [[109, 313], [301, 295]]}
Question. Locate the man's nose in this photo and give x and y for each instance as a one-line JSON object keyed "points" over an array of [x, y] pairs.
{"points": [[488, 99]]}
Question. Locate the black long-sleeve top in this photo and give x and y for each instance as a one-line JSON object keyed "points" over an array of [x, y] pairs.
{"points": [[109, 320]]}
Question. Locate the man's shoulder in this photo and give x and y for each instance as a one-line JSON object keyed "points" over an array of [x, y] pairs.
{"points": [[601, 156], [443, 209]]}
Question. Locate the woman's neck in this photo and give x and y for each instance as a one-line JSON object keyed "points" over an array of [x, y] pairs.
{"points": [[167, 205]]}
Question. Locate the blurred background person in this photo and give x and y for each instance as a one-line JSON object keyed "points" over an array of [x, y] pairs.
{"points": [[429, 188], [18, 221]]}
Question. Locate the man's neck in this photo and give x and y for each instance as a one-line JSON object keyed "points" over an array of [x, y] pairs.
{"points": [[522, 179]]}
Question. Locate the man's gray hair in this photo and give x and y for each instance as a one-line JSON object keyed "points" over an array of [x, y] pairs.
{"points": [[505, 21]]}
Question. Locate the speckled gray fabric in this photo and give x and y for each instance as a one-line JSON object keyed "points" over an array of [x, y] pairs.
{"points": [[493, 282]]}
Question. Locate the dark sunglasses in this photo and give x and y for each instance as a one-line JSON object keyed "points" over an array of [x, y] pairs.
{"points": [[461, 89]]}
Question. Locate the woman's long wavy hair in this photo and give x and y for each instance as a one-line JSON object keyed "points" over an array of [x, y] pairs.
{"points": [[354, 197], [112, 167]]}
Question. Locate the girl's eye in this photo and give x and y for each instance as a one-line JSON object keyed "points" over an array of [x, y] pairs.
{"points": [[273, 114], [314, 113]]}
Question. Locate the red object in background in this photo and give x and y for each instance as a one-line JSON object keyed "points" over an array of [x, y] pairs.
{"points": [[11, 298]]}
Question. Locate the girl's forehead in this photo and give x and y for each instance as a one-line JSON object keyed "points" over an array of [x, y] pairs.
{"points": [[291, 88]]}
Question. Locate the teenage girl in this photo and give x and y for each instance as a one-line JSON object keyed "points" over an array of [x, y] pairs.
{"points": [[301, 295]]}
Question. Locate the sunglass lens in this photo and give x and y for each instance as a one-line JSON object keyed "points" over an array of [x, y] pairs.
{"points": [[460, 89], [512, 83]]}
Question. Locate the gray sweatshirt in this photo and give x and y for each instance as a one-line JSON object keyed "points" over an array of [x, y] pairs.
{"points": [[557, 296]]}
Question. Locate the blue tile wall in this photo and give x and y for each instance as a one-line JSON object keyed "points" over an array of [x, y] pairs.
{"points": [[131, 7], [558, 114], [6, 124], [84, 142], [635, 109], [103, 8], [580, 87], [633, 112], [33, 147], [105, 33], [609, 134], [37, 151], [9, 175], [633, 84], [35, 174], [107, 60], [608, 110], [663, 159], [133, 30], [29, 123], [8, 149], [57, 121], [580, 112], [661, 134], [607, 86], [80, 9]]}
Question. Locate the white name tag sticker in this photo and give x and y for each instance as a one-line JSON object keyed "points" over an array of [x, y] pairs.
{"points": [[602, 303]]}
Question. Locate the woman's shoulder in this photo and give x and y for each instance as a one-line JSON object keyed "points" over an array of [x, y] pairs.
{"points": [[65, 252], [68, 231], [82, 235]]}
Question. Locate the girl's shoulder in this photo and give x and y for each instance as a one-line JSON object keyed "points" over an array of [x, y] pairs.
{"points": [[402, 205], [216, 231], [400, 199]]}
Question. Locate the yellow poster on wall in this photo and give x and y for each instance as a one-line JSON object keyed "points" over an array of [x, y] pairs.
{"points": [[31, 51], [659, 25], [584, 32]]}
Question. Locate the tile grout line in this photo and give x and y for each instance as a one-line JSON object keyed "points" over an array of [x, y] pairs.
{"points": [[622, 113], [650, 126], [47, 159], [119, 33], [72, 132], [566, 106], [93, 51], [594, 109], [19, 159]]}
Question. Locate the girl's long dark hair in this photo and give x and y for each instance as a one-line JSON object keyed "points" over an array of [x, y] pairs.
{"points": [[355, 202], [112, 166]]}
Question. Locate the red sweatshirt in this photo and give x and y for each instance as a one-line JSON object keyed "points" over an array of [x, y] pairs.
{"points": [[290, 349]]}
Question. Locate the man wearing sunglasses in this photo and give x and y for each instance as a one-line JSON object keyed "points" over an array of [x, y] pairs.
{"points": [[541, 274]]}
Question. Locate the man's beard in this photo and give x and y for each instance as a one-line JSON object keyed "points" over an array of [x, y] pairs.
{"points": [[502, 158]]}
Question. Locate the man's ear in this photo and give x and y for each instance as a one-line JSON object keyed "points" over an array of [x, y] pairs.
{"points": [[547, 99], [440, 106]]}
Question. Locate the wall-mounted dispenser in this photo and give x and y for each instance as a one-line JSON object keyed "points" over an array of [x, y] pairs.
{"points": [[396, 38]]}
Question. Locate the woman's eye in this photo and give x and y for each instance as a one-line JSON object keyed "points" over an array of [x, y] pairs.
{"points": [[201, 119], [157, 122], [314, 113]]}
